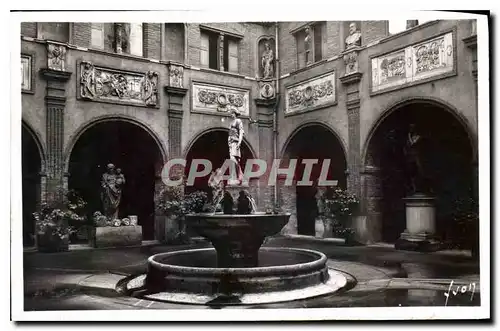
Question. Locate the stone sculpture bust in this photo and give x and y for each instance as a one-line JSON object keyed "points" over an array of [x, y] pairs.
{"points": [[354, 37]]}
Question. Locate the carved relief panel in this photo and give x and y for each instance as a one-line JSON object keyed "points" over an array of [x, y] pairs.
{"points": [[214, 98], [104, 84], [56, 57], [313, 93], [428, 59], [176, 75]]}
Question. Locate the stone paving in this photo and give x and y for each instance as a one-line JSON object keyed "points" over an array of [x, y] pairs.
{"points": [[87, 279]]}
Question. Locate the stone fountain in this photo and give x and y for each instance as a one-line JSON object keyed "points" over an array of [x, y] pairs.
{"points": [[237, 270]]}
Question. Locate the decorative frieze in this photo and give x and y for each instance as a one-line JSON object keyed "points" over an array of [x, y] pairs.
{"points": [[434, 58], [176, 76], [313, 93], [213, 98], [103, 84], [56, 57], [267, 90]]}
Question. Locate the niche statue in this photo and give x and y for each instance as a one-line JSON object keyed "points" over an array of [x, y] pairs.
{"points": [[414, 152]]}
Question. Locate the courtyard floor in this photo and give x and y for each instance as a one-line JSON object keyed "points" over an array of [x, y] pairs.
{"points": [[86, 279]]}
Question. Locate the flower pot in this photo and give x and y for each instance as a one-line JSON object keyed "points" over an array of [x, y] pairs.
{"points": [[50, 243]]}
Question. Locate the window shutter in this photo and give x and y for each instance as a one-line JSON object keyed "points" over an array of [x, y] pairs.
{"points": [[136, 39], [233, 55], [204, 55], [97, 35]]}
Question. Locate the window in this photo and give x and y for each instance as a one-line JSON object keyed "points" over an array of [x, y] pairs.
{"points": [[54, 31], [26, 72], [97, 35], [309, 41], [218, 51], [135, 39]]}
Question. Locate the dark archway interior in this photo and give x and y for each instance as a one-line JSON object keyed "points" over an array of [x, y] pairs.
{"points": [[128, 147], [314, 142], [211, 146], [447, 161], [31, 164]]}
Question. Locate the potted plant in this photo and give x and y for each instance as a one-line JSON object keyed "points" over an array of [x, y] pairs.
{"points": [[338, 206], [173, 204], [55, 222]]}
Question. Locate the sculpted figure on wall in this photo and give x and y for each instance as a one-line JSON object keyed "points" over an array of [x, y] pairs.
{"points": [[176, 74], [307, 46], [87, 81], [150, 89], [354, 37], [267, 61]]}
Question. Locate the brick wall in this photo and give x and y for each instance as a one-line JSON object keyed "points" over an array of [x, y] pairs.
{"points": [[374, 30], [28, 29], [82, 34], [152, 40], [194, 42], [333, 39], [174, 42], [287, 47]]}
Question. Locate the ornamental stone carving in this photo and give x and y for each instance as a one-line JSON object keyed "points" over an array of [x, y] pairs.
{"points": [[354, 37], [103, 84], [430, 59], [311, 93], [213, 98], [176, 76], [267, 58], [267, 90], [56, 57], [351, 62]]}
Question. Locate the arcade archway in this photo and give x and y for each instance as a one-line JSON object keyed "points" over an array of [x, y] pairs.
{"points": [[448, 161], [31, 167], [313, 141], [212, 146], [130, 148]]}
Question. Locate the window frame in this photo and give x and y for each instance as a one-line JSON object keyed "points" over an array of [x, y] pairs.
{"points": [[214, 36], [299, 33]]}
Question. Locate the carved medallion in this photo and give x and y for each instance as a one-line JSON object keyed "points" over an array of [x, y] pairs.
{"points": [[97, 83], [213, 98], [267, 90], [56, 57]]}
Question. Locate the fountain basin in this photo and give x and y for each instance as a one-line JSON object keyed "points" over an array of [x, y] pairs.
{"points": [[237, 238]]}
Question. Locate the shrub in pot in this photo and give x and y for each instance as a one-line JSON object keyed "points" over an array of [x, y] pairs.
{"points": [[338, 206], [55, 223]]}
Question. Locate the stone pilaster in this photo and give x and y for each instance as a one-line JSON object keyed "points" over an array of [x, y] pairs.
{"points": [[221, 52], [351, 82], [55, 102], [265, 123]]}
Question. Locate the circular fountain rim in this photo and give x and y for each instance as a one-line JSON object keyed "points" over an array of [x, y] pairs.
{"points": [[222, 215], [319, 262]]}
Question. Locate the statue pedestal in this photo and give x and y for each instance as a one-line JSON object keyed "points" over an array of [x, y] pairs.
{"points": [[420, 225]]}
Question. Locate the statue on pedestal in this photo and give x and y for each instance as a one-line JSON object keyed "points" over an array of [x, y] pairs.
{"points": [[354, 37], [234, 140], [414, 151], [111, 191], [268, 61]]}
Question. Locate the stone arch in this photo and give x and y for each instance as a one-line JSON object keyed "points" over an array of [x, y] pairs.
{"points": [[300, 199], [109, 118], [313, 123], [130, 145], [38, 141], [413, 100], [448, 157]]}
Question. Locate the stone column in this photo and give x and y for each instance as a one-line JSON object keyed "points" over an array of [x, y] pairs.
{"points": [[369, 226], [265, 112], [351, 81], [175, 93], [55, 101]]}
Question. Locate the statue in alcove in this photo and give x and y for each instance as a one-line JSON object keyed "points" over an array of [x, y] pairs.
{"points": [[307, 46], [267, 61], [415, 152]]}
